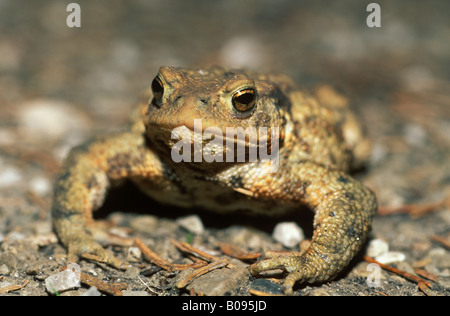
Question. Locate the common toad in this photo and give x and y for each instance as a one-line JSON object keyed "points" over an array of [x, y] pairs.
{"points": [[318, 140]]}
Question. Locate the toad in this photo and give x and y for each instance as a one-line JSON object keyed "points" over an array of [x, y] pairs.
{"points": [[318, 141]]}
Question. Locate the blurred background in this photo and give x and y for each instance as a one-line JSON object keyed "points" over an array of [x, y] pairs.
{"points": [[60, 85]]}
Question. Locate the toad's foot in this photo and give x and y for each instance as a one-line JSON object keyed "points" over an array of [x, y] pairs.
{"points": [[84, 245], [309, 267]]}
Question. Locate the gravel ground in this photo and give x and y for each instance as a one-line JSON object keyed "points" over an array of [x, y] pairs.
{"points": [[59, 86]]}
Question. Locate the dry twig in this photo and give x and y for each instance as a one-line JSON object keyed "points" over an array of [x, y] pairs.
{"points": [[238, 253], [426, 275], [423, 284], [166, 265], [445, 242], [185, 247], [415, 210], [425, 289], [100, 285], [14, 287], [203, 270]]}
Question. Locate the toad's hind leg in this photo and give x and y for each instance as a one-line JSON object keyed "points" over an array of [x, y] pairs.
{"points": [[343, 213], [82, 185]]}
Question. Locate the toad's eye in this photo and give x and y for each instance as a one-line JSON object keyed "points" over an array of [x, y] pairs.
{"points": [[244, 100], [158, 91]]}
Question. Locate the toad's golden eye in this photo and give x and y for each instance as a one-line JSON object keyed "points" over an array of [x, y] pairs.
{"points": [[244, 100], [158, 91]]}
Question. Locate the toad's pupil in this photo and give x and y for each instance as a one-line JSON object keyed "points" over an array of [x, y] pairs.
{"points": [[244, 100]]}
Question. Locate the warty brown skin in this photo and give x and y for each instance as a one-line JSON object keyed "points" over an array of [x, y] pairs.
{"points": [[320, 140]]}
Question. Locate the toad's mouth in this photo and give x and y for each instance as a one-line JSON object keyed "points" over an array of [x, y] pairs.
{"points": [[197, 132], [198, 143]]}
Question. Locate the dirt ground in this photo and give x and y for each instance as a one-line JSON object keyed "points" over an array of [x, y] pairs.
{"points": [[59, 86]]}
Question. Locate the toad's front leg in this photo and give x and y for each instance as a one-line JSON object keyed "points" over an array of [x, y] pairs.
{"points": [[343, 212], [83, 183]]}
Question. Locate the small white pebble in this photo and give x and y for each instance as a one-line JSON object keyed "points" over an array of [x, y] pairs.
{"points": [[289, 234], [134, 254], [10, 176], [191, 223], [64, 280], [4, 269], [437, 252], [40, 185], [377, 247], [391, 257]]}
